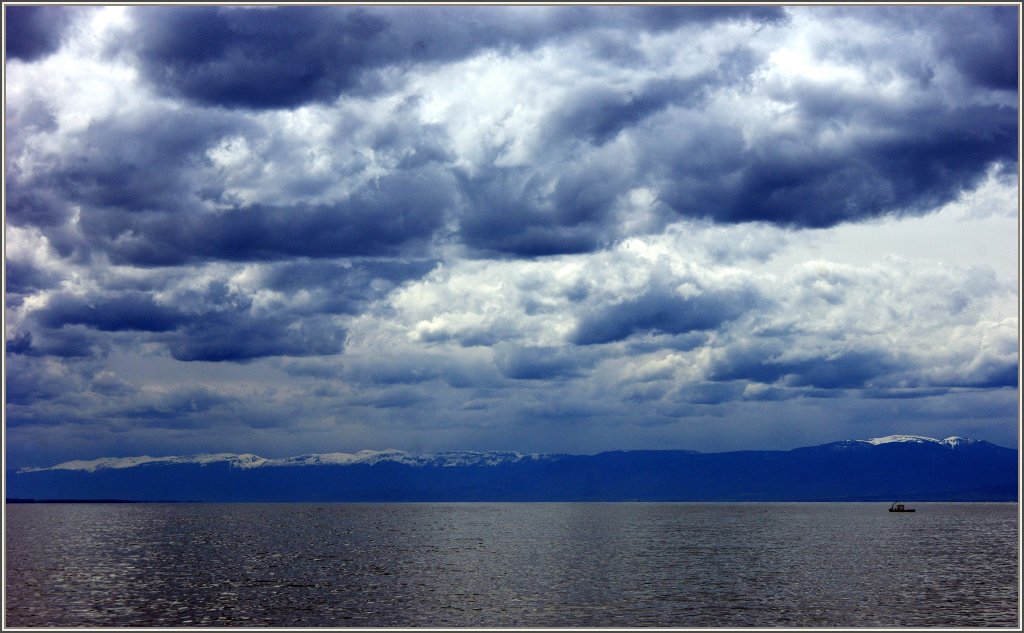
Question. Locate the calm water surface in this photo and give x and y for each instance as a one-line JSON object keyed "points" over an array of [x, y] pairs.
{"points": [[496, 565]]}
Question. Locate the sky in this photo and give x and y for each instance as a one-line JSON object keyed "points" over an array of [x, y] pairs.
{"points": [[540, 229]]}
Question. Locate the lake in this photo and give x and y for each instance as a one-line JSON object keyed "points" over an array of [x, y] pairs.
{"points": [[512, 565]]}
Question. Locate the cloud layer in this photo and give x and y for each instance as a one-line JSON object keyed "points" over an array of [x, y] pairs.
{"points": [[443, 226]]}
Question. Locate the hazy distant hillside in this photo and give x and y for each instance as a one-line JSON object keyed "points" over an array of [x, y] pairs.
{"points": [[896, 467]]}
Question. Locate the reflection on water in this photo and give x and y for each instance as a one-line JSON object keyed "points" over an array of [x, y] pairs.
{"points": [[510, 564]]}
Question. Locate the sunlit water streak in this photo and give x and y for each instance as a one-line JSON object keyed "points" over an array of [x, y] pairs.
{"points": [[559, 564]]}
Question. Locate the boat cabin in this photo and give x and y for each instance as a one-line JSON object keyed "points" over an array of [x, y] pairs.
{"points": [[899, 507]]}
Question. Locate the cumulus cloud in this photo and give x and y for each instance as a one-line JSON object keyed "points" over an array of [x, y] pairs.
{"points": [[223, 55], [440, 226], [213, 323], [147, 192], [661, 319], [732, 126]]}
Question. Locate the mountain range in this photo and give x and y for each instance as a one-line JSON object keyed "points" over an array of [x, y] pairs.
{"points": [[906, 467]]}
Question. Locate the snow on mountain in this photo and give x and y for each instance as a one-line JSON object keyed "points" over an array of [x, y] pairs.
{"points": [[951, 442], [245, 460], [370, 457], [248, 460], [955, 441], [342, 459]]}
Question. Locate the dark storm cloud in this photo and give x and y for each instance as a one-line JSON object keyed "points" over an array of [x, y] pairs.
{"points": [[148, 193], [980, 41], [36, 203], [534, 211], [505, 217], [983, 43], [843, 371], [254, 58], [282, 57], [116, 167], [926, 158], [663, 311], [69, 342], [25, 277], [519, 211], [214, 325], [923, 153], [766, 363], [243, 336], [849, 156], [144, 192], [929, 166], [144, 163], [378, 218], [33, 32], [986, 373], [221, 324], [128, 311], [879, 373], [599, 112]]}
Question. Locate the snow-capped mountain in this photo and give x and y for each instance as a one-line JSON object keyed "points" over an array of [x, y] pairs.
{"points": [[248, 460], [907, 467], [951, 442], [446, 459], [245, 460]]}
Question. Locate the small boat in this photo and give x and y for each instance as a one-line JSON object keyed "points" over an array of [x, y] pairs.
{"points": [[899, 507]]}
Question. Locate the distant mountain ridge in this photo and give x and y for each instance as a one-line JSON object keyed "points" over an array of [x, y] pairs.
{"points": [[908, 467], [444, 459], [248, 460]]}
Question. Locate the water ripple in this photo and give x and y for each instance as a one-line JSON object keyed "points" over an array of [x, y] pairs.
{"points": [[498, 565]]}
